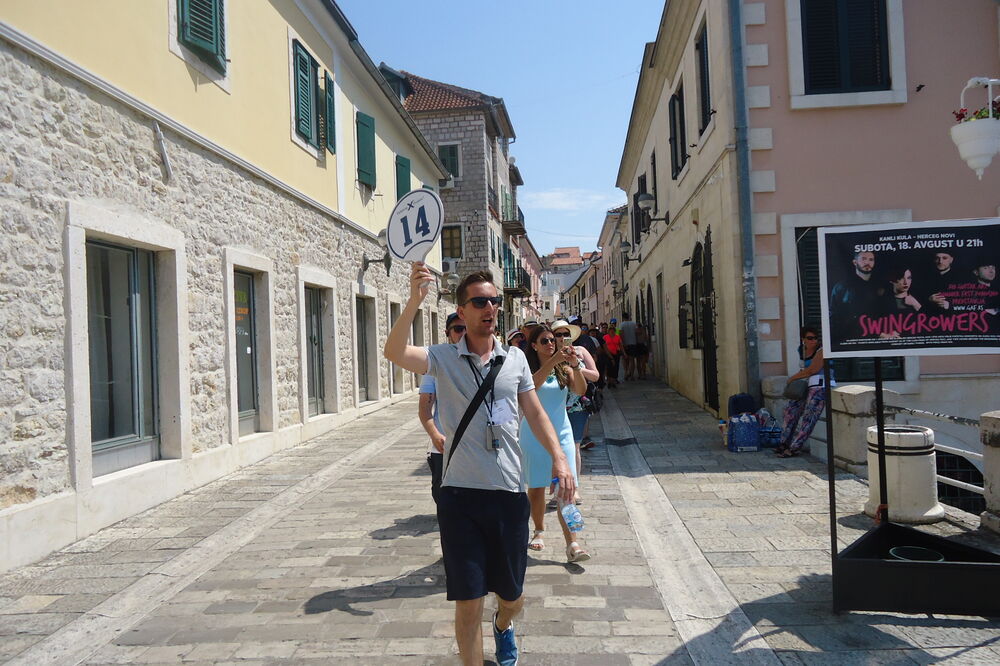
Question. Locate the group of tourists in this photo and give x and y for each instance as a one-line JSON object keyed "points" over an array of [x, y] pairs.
{"points": [[507, 421]]}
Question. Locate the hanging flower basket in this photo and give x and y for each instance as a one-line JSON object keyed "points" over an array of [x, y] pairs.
{"points": [[977, 141], [977, 134]]}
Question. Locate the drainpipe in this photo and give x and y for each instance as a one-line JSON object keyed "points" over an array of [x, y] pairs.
{"points": [[741, 122]]}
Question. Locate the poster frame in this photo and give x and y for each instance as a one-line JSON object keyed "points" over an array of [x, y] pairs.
{"points": [[823, 232]]}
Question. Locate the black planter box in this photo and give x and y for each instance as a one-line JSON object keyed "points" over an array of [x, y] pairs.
{"points": [[866, 577]]}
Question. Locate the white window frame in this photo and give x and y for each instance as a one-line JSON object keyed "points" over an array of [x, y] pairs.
{"points": [[308, 276], [796, 64], [789, 286], [318, 152], [267, 398], [461, 168], [192, 58], [85, 222], [461, 242], [397, 376], [374, 376]]}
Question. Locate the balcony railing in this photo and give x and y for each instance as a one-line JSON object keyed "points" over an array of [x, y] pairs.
{"points": [[516, 281], [515, 227]]}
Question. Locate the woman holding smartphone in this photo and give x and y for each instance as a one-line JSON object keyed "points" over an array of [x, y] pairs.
{"points": [[556, 370]]}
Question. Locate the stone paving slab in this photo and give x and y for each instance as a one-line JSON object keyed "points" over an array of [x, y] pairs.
{"points": [[351, 573], [772, 548]]}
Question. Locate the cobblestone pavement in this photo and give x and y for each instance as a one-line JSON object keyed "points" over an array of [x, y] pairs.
{"points": [[328, 552]]}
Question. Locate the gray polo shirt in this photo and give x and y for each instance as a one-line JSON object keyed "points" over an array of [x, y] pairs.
{"points": [[475, 465], [627, 329]]}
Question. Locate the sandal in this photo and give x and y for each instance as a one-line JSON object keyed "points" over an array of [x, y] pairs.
{"points": [[788, 453], [536, 542], [578, 500], [576, 554]]}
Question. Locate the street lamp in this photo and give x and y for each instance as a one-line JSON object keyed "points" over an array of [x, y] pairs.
{"points": [[626, 247], [646, 202], [385, 260], [448, 288]]}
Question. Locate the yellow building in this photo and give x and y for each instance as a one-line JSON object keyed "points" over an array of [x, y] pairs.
{"points": [[194, 190]]}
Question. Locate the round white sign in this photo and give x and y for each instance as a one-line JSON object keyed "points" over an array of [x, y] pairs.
{"points": [[414, 225]]}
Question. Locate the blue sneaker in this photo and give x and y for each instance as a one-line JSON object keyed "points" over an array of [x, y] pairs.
{"points": [[506, 644]]}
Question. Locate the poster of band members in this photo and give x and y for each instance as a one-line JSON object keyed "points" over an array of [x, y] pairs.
{"points": [[910, 289]]}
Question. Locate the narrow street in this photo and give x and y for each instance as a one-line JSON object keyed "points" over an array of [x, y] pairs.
{"points": [[328, 552]]}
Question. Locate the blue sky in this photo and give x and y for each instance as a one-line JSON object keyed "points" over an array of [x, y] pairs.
{"points": [[566, 71]]}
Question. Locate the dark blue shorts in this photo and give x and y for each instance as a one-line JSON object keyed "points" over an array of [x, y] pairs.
{"points": [[484, 541]]}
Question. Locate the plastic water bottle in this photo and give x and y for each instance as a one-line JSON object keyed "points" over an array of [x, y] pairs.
{"points": [[570, 513]]}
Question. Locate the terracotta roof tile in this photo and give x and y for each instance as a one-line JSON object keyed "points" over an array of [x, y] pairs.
{"points": [[436, 96]]}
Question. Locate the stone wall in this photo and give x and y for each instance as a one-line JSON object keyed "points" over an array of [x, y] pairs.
{"points": [[467, 203], [65, 140]]}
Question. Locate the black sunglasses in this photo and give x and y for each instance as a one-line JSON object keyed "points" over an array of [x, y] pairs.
{"points": [[458, 328], [480, 301], [564, 334], [809, 337], [546, 341]]}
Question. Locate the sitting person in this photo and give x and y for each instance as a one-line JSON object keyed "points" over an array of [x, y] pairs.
{"points": [[801, 415]]}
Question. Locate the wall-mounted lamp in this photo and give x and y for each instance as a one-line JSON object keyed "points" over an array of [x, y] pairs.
{"points": [[646, 202], [686, 262], [448, 288], [386, 260], [626, 247]]}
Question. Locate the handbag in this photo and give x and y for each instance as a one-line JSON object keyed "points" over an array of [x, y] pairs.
{"points": [[473, 407], [796, 390], [592, 401]]}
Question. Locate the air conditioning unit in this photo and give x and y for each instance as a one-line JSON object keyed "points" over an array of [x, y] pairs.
{"points": [[446, 183], [448, 266]]}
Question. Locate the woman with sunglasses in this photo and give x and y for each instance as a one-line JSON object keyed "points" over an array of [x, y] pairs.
{"points": [[801, 415], [556, 370]]}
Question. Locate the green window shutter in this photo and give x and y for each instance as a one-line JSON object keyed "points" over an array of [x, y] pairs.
{"points": [[202, 29], [449, 157], [305, 69], [402, 176], [331, 118], [366, 149]]}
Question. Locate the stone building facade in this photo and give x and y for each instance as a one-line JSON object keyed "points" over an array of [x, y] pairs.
{"points": [[87, 165], [472, 133]]}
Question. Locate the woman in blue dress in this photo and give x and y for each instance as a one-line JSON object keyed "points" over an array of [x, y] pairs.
{"points": [[556, 371]]}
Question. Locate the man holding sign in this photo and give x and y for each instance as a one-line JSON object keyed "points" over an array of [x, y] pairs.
{"points": [[483, 506]]}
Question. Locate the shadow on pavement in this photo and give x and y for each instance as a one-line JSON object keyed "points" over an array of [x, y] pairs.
{"points": [[415, 584], [809, 632], [414, 526]]}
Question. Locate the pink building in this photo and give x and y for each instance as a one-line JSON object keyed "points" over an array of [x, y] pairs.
{"points": [[741, 143]]}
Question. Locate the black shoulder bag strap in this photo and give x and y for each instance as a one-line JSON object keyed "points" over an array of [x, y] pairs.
{"points": [[477, 400]]}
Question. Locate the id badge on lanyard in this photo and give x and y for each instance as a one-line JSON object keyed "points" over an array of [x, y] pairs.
{"points": [[492, 436]]}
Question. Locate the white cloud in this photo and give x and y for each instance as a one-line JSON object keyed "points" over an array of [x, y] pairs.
{"points": [[562, 198]]}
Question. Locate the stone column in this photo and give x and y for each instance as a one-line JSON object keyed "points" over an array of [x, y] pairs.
{"points": [[989, 435], [853, 409]]}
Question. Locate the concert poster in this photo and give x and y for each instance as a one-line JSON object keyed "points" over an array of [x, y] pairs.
{"points": [[910, 288]]}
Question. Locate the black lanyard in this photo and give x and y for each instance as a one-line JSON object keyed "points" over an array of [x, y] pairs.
{"points": [[479, 382]]}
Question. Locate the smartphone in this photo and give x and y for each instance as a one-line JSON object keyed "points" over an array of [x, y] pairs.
{"points": [[559, 343]]}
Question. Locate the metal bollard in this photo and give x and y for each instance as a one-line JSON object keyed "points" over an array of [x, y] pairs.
{"points": [[911, 472]]}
